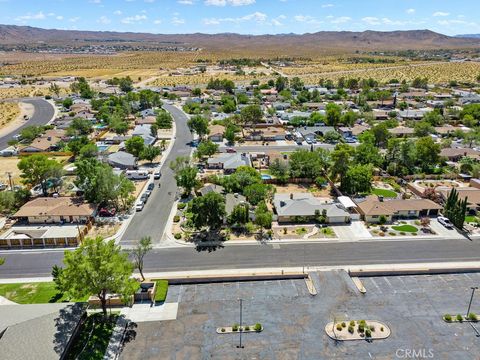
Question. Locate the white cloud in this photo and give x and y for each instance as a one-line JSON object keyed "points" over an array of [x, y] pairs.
{"points": [[149, 1], [257, 17], [341, 20], [185, 2], [371, 20], [117, 12], [157, 22], [229, 2], [410, 11], [38, 16], [440, 13], [134, 19], [327, 6], [59, 17], [95, 1], [104, 20], [74, 19], [177, 21]]}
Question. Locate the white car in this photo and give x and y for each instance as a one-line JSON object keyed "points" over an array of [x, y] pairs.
{"points": [[139, 206], [445, 222]]}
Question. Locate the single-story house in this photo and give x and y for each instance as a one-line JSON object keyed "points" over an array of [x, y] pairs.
{"points": [[373, 207], [472, 194], [228, 162], [289, 207], [232, 200], [145, 132], [216, 133], [211, 188], [56, 210], [122, 160], [412, 114], [311, 132], [39, 331], [402, 131], [348, 132], [46, 142], [455, 154]]}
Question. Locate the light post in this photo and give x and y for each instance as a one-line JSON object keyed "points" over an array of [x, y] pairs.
{"points": [[240, 346], [471, 298]]}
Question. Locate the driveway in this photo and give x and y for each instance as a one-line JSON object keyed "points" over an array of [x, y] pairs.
{"points": [[43, 113], [153, 219]]}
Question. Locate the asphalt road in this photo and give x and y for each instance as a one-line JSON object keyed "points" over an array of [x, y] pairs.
{"points": [[279, 148], [154, 216], [30, 264], [43, 113]]}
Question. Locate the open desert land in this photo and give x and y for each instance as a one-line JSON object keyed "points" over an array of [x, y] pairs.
{"points": [[9, 111]]}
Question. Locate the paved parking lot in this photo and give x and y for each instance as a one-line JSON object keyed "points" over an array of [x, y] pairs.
{"points": [[294, 321]]}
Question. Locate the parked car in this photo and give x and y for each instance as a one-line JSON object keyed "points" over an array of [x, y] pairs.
{"points": [[231, 150], [3, 186], [104, 212], [139, 206], [151, 186], [445, 222], [157, 175], [144, 198], [309, 141]]}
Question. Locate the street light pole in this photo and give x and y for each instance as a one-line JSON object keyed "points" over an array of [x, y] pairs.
{"points": [[240, 346], [471, 298]]}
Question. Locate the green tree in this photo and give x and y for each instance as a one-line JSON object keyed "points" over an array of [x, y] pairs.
{"points": [[333, 114], [308, 164], [2, 261], [367, 153], [139, 251], [29, 133], [423, 128], [76, 144], [206, 149], [280, 170], [239, 214], [381, 134], [427, 153], [125, 84], [185, 174], [263, 217], [67, 103], [229, 134], [37, 169], [341, 160], [164, 120], [80, 126], [54, 89], [332, 136], [357, 179], [251, 115], [455, 209], [241, 178], [97, 267], [81, 86], [150, 152], [89, 150], [135, 146], [208, 211], [256, 193], [199, 125], [281, 83], [434, 118]]}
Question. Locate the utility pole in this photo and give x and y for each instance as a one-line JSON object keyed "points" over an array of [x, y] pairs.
{"points": [[240, 346], [471, 298], [10, 180]]}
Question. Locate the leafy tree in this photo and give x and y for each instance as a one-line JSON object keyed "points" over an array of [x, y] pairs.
{"points": [[118, 124], [89, 150], [67, 103], [251, 115], [229, 134], [150, 152], [241, 178], [427, 153], [239, 215], [164, 120], [242, 99], [82, 87], [455, 209], [228, 104], [138, 253], [197, 92], [97, 267], [79, 126], [185, 174], [2, 261], [76, 144], [341, 160], [421, 83], [332, 136], [199, 125], [263, 217], [308, 164], [296, 83], [154, 130], [206, 149], [37, 169], [367, 153], [357, 179], [135, 146], [256, 193], [281, 83], [333, 114], [208, 211], [280, 170], [11, 201], [434, 118], [349, 118], [29, 133], [472, 110], [55, 89], [423, 128], [126, 84]]}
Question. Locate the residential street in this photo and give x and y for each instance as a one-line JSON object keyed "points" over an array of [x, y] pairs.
{"points": [[44, 112], [32, 263], [153, 219]]}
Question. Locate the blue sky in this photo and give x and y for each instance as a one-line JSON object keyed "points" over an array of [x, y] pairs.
{"points": [[245, 16]]}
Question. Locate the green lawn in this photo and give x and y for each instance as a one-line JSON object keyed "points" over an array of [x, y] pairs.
{"points": [[470, 219], [405, 228], [93, 338], [384, 192], [301, 231], [162, 289], [33, 293]]}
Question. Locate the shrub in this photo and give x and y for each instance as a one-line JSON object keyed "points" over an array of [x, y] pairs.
{"points": [[181, 206], [176, 218], [447, 317], [368, 333], [352, 323], [361, 328], [177, 236], [382, 234], [391, 233], [235, 327], [222, 329], [339, 327], [472, 317], [285, 230], [257, 327], [381, 328], [372, 328], [402, 233], [247, 328], [351, 329], [459, 318], [343, 324]]}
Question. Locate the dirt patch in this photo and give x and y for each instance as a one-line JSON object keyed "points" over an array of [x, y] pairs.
{"points": [[104, 230]]}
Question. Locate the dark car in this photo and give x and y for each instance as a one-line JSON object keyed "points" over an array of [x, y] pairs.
{"points": [[104, 212], [151, 186]]}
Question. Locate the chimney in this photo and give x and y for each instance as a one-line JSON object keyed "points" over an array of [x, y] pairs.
{"points": [[380, 198], [282, 203]]}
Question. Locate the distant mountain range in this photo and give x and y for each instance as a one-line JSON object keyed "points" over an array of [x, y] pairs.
{"points": [[278, 44], [470, 36]]}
